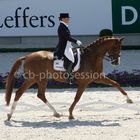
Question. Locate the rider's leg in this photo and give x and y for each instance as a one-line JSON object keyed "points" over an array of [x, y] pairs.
{"points": [[69, 72], [69, 54]]}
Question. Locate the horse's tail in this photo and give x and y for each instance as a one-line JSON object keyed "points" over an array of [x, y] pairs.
{"points": [[10, 79]]}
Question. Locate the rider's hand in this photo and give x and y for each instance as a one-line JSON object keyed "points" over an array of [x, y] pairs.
{"points": [[79, 43]]}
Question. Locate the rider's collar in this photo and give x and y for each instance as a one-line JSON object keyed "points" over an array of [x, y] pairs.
{"points": [[64, 23]]}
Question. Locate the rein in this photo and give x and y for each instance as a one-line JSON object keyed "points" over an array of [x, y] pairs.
{"points": [[107, 57]]}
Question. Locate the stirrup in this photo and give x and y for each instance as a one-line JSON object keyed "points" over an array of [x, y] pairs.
{"points": [[71, 79]]}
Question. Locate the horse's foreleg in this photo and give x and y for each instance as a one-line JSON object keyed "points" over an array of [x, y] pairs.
{"points": [[18, 94], [41, 95], [55, 114], [12, 110], [108, 81], [78, 95]]}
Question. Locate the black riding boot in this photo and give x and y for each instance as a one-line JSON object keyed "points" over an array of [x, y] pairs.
{"points": [[69, 73]]}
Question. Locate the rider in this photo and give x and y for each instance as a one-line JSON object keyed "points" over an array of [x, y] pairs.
{"points": [[64, 47]]}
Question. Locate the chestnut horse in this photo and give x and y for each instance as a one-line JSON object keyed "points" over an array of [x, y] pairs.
{"points": [[38, 63]]}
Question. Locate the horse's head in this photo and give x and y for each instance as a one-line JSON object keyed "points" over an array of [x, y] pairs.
{"points": [[114, 51]]}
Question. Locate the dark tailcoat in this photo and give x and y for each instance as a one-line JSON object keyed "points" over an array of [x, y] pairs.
{"points": [[64, 36]]}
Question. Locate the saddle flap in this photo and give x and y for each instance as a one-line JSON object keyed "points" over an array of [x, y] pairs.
{"points": [[59, 63]]}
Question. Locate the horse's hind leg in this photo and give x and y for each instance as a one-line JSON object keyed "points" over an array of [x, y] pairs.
{"points": [[108, 81], [18, 94], [41, 95]]}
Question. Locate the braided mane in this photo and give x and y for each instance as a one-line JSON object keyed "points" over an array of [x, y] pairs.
{"points": [[99, 41]]}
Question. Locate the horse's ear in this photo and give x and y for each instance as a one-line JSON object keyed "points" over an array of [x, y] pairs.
{"points": [[121, 39]]}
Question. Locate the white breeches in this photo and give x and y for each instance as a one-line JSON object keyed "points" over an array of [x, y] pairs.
{"points": [[68, 52]]}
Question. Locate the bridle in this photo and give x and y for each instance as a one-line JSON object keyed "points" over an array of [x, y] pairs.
{"points": [[111, 57]]}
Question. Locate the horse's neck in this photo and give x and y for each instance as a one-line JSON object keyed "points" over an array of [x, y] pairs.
{"points": [[97, 52], [94, 57]]}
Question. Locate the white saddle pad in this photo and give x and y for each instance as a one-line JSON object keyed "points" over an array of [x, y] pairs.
{"points": [[58, 65]]}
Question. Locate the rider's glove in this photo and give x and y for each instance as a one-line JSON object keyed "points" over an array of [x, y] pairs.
{"points": [[79, 43]]}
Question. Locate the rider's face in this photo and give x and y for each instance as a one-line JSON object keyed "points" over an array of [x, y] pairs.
{"points": [[66, 20]]}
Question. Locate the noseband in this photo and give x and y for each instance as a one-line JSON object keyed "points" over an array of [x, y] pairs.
{"points": [[111, 57]]}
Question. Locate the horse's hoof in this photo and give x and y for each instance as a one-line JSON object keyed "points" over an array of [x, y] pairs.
{"points": [[71, 118], [57, 115], [129, 101], [8, 117]]}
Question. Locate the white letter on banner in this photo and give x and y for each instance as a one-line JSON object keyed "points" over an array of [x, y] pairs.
{"points": [[135, 13]]}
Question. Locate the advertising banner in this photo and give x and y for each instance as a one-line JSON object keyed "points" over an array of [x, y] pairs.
{"points": [[40, 18], [88, 17]]}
